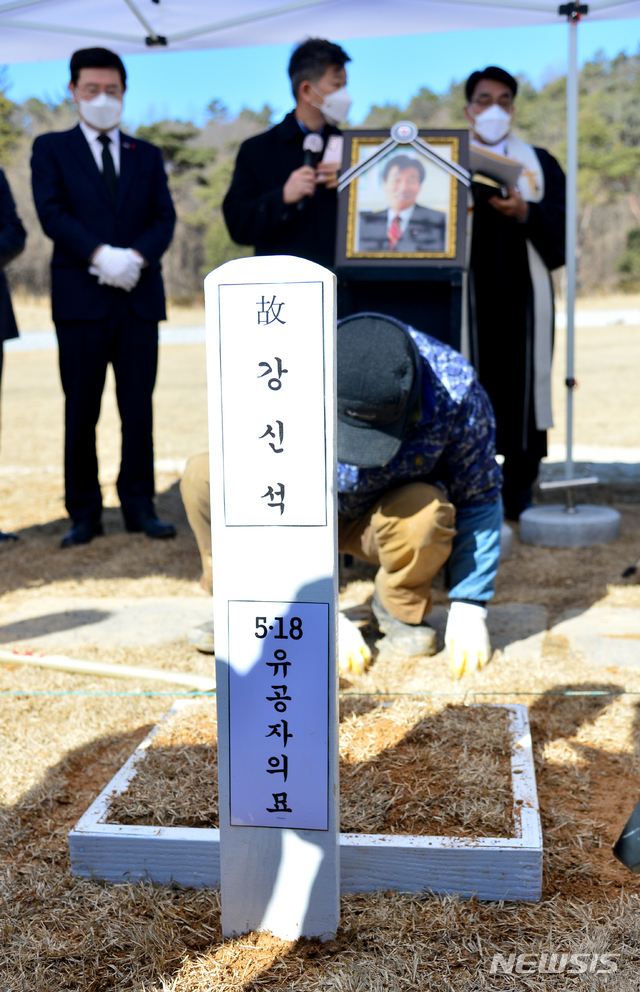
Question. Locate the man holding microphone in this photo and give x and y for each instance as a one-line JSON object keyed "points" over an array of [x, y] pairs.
{"points": [[278, 200], [283, 201]]}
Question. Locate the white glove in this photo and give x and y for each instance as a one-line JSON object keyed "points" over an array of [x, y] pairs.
{"points": [[119, 267], [467, 638], [353, 653]]}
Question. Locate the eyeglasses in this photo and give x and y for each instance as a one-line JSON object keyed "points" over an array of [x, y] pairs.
{"points": [[485, 100], [88, 90]]}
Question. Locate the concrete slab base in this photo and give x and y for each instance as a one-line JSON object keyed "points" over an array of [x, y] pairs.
{"points": [[506, 623], [604, 635], [553, 527], [56, 624], [601, 635], [526, 648]]}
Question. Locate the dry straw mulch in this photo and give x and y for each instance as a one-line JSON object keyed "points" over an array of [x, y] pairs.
{"points": [[58, 932], [63, 933], [406, 767], [176, 782], [412, 767]]}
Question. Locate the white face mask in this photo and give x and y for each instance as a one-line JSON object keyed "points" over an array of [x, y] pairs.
{"points": [[102, 113], [492, 125], [335, 106]]}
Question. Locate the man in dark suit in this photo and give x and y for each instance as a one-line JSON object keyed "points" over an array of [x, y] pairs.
{"points": [[12, 240], [103, 199], [275, 201], [405, 226]]}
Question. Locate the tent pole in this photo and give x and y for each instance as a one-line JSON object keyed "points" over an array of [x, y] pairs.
{"points": [[571, 229]]}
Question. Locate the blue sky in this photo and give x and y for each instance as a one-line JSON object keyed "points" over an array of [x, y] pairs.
{"points": [[181, 84]]}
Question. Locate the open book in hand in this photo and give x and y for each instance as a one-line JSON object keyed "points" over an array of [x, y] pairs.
{"points": [[491, 173]]}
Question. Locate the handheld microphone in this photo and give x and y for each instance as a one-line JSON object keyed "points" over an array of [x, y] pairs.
{"points": [[311, 147]]}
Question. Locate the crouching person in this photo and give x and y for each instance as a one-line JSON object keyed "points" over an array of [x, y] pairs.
{"points": [[353, 652], [418, 483], [196, 496]]}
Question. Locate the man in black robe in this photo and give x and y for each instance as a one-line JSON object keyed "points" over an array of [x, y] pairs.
{"points": [[516, 242]]}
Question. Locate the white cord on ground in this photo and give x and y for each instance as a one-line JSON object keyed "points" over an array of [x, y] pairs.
{"points": [[61, 663]]}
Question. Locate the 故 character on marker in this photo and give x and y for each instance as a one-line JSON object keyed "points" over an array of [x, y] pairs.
{"points": [[269, 311]]}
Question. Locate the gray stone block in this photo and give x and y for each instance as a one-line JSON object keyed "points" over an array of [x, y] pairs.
{"points": [[507, 623], [67, 624], [553, 527], [603, 635]]}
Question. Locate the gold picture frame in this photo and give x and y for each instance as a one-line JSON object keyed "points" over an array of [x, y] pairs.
{"points": [[429, 229]]}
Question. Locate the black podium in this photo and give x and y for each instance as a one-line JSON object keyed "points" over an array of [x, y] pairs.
{"points": [[428, 299]]}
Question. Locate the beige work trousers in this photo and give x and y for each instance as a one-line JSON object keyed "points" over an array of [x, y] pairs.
{"points": [[195, 491], [408, 533]]}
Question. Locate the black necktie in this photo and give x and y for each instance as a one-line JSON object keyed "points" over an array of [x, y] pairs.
{"points": [[108, 168]]}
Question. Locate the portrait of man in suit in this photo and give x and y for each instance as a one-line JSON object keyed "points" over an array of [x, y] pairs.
{"points": [[405, 226], [102, 198]]}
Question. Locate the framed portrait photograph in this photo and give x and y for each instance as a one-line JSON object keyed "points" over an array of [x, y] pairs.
{"points": [[406, 208]]}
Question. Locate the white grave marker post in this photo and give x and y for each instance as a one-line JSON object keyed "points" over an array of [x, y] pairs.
{"points": [[271, 376]]}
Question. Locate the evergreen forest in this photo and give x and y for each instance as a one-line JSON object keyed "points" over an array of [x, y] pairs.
{"points": [[199, 162]]}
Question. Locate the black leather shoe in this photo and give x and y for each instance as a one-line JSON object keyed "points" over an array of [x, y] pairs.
{"points": [[81, 533], [7, 537], [150, 525]]}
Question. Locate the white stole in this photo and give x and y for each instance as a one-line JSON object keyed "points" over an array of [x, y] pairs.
{"points": [[531, 188]]}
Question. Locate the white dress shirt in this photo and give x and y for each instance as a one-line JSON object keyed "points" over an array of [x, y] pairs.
{"points": [[404, 216], [96, 146]]}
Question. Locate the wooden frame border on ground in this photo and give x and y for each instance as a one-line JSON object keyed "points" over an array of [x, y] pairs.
{"points": [[491, 868]]}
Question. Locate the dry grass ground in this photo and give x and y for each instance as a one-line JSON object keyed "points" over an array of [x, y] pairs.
{"points": [[62, 934], [606, 400], [406, 767]]}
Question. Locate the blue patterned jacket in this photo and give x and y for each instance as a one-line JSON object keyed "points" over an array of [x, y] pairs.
{"points": [[452, 447]]}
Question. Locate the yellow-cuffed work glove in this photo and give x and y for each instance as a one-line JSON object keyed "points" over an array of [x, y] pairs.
{"points": [[353, 653], [467, 638]]}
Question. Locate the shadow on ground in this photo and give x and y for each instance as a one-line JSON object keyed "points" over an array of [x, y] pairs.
{"points": [[49, 624], [586, 791], [61, 932], [37, 558]]}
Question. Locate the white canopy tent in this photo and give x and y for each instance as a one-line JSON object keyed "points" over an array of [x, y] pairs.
{"points": [[35, 30], [32, 30]]}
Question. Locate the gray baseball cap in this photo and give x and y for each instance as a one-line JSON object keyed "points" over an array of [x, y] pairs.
{"points": [[378, 384]]}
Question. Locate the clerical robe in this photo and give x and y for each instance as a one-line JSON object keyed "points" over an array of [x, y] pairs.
{"points": [[510, 328]]}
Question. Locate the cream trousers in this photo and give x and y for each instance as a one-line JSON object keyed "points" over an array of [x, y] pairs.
{"points": [[408, 533]]}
